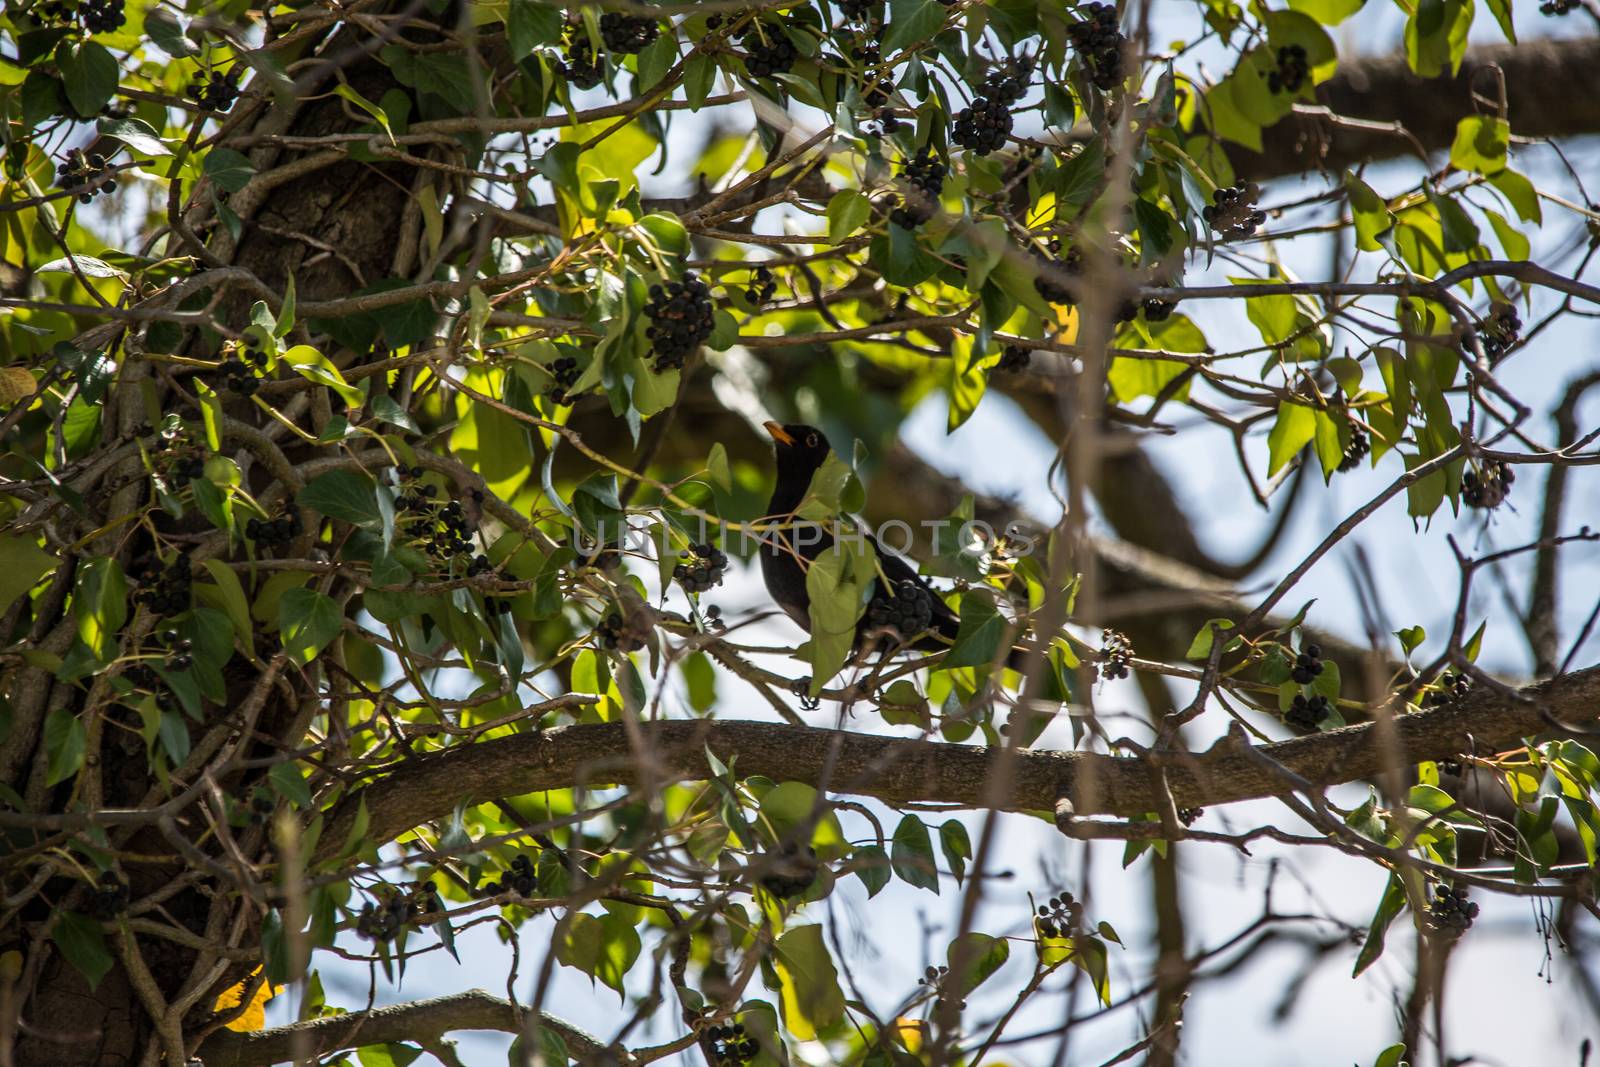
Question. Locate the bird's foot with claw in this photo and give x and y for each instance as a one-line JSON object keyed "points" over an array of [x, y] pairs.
{"points": [[801, 687]]}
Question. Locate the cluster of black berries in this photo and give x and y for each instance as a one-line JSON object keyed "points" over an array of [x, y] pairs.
{"points": [[581, 67], [1356, 451], [262, 805], [1158, 310], [99, 16], [859, 10], [1306, 714], [171, 592], [187, 469], [908, 611], [1489, 487], [763, 287], [627, 34], [278, 531], [563, 376], [239, 375], [1014, 359], [1116, 651], [1233, 212], [85, 174], [102, 16], [935, 978], [982, 126], [731, 1046], [214, 93], [1060, 916], [1009, 83], [1450, 913], [383, 924], [444, 530], [1451, 688], [1558, 7], [1499, 331], [180, 655], [623, 635], [1055, 270], [1187, 816], [520, 879], [1292, 70], [109, 898], [713, 619], [1307, 665], [789, 873], [925, 176], [681, 320], [702, 570], [767, 50], [1098, 42]]}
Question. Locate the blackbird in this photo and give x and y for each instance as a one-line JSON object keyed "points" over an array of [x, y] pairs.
{"points": [[905, 604]]}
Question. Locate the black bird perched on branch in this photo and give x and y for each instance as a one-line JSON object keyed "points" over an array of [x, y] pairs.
{"points": [[904, 604]]}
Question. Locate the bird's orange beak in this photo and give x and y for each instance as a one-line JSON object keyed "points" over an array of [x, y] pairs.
{"points": [[779, 434]]}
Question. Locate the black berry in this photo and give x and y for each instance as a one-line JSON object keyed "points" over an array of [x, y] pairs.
{"points": [[1307, 665], [702, 570], [907, 610], [1356, 450], [681, 320], [1292, 71], [1487, 488], [1233, 212], [1098, 42], [982, 126], [924, 177], [1014, 359], [1450, 913], [1305, 715], [789, 873], [1116, 651], [768, 50]]}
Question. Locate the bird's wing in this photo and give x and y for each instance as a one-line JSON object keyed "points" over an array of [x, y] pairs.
{"points": [[897, 570]]}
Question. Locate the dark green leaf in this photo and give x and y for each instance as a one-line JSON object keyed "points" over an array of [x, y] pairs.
{"points": [[81, 942]]}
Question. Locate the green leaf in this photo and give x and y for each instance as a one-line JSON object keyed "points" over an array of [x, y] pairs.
{"points": [[838, 582], [346, 495], [1200, 647], [1390, 906], [22, 564], [100, 603], [444, 74], [81, 942], [811, 998], [1411, 637], [911, 22], [603, 947], [1327, 12], [848, 211], [873, 868], [1295, 427], [313, 366], [1371, 213], [389, 1055], [978, 639], [1481, 144], [957, 847], [1394, 1055], [234, 602], [136, 134], [88, 74], [307, 621], [912, 854], [228, 168], [984, 955], [530, 24], [1520, 193], [64, 740]]}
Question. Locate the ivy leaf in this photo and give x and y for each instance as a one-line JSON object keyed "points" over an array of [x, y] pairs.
{"points": [[307, 621], [101, 604], [1296, 425], [957, 847], [530, 24], [983, 955], [88, 74], [64, 740], [848, 211], [838, 583], [603, 948], [22, 564], [80, 941], [1481, 144], [228, 168], [136, 134], [872, 867], [811, 998], [978, 639], [1390, 905], [346, 495], [912, 855]]}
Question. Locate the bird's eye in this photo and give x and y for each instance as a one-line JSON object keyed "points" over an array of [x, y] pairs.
{"points": [[811, 440]]}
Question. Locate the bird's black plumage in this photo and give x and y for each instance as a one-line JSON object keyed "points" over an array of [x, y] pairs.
{"points": [[801, 451]]}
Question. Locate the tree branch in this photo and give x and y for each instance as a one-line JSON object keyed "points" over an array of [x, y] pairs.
{"points": [[1539, 76], [419, 1020], [900, 771]]}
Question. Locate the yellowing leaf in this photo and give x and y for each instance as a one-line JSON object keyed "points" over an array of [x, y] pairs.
{"points": [[812, 1000], [254, 1016]]}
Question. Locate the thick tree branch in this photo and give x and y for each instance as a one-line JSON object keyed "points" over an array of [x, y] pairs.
{"points": [[900, 771], [1539, 77], [419, 1020]]}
